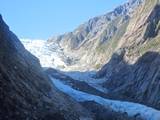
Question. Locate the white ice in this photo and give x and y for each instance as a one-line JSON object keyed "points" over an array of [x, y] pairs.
{"points": [[48, 57], [132, 109]]}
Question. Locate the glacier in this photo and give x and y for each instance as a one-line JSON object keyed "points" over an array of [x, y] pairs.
{"points": [[130, 108], [48, 56]]}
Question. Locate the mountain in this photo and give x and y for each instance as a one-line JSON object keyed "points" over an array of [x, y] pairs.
{"points": [[29, 93], [127, 39], [26, 92], [93, 42], [133, 71]]}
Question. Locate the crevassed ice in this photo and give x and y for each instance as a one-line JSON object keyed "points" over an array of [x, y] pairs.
{"points": [[47, 57]]}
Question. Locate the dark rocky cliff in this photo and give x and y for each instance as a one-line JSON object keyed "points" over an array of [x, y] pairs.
{"points": [[138, 82], [26, 93], [133, 71]]}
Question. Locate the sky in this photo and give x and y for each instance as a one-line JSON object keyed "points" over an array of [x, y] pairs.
{"points": [[42, 19]]}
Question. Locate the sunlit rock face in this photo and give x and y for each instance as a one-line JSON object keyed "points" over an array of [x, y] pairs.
{"points": [[93, 43], [90, 45], [134, 73]]}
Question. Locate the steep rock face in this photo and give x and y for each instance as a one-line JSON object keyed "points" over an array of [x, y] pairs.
{"points": [[93, 42], [133, 71], [137, 82], [26, 93], [142, 33], [144, 86]]}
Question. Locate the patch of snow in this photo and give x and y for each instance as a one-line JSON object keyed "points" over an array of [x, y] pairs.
{"points": [[132, 109]]}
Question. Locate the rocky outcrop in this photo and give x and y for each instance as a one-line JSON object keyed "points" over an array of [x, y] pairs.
{"points": [[142, 33], [153, 26], [144, 86], [26, 93]]}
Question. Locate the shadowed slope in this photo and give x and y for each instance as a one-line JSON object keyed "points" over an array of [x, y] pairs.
{"points": [[25, 91]]}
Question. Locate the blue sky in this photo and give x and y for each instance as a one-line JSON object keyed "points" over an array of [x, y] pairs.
{"points": [[44, 18]]}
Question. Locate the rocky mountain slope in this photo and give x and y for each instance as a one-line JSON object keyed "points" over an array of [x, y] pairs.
{"points": [[26, 92], [93, 42], [128, 40], [133, 71]]}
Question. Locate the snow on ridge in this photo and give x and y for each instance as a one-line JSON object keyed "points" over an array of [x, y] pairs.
{"points": [[132, 109]]}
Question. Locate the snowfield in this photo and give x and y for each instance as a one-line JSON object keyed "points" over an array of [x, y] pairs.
{"points": [[132, 109]]}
